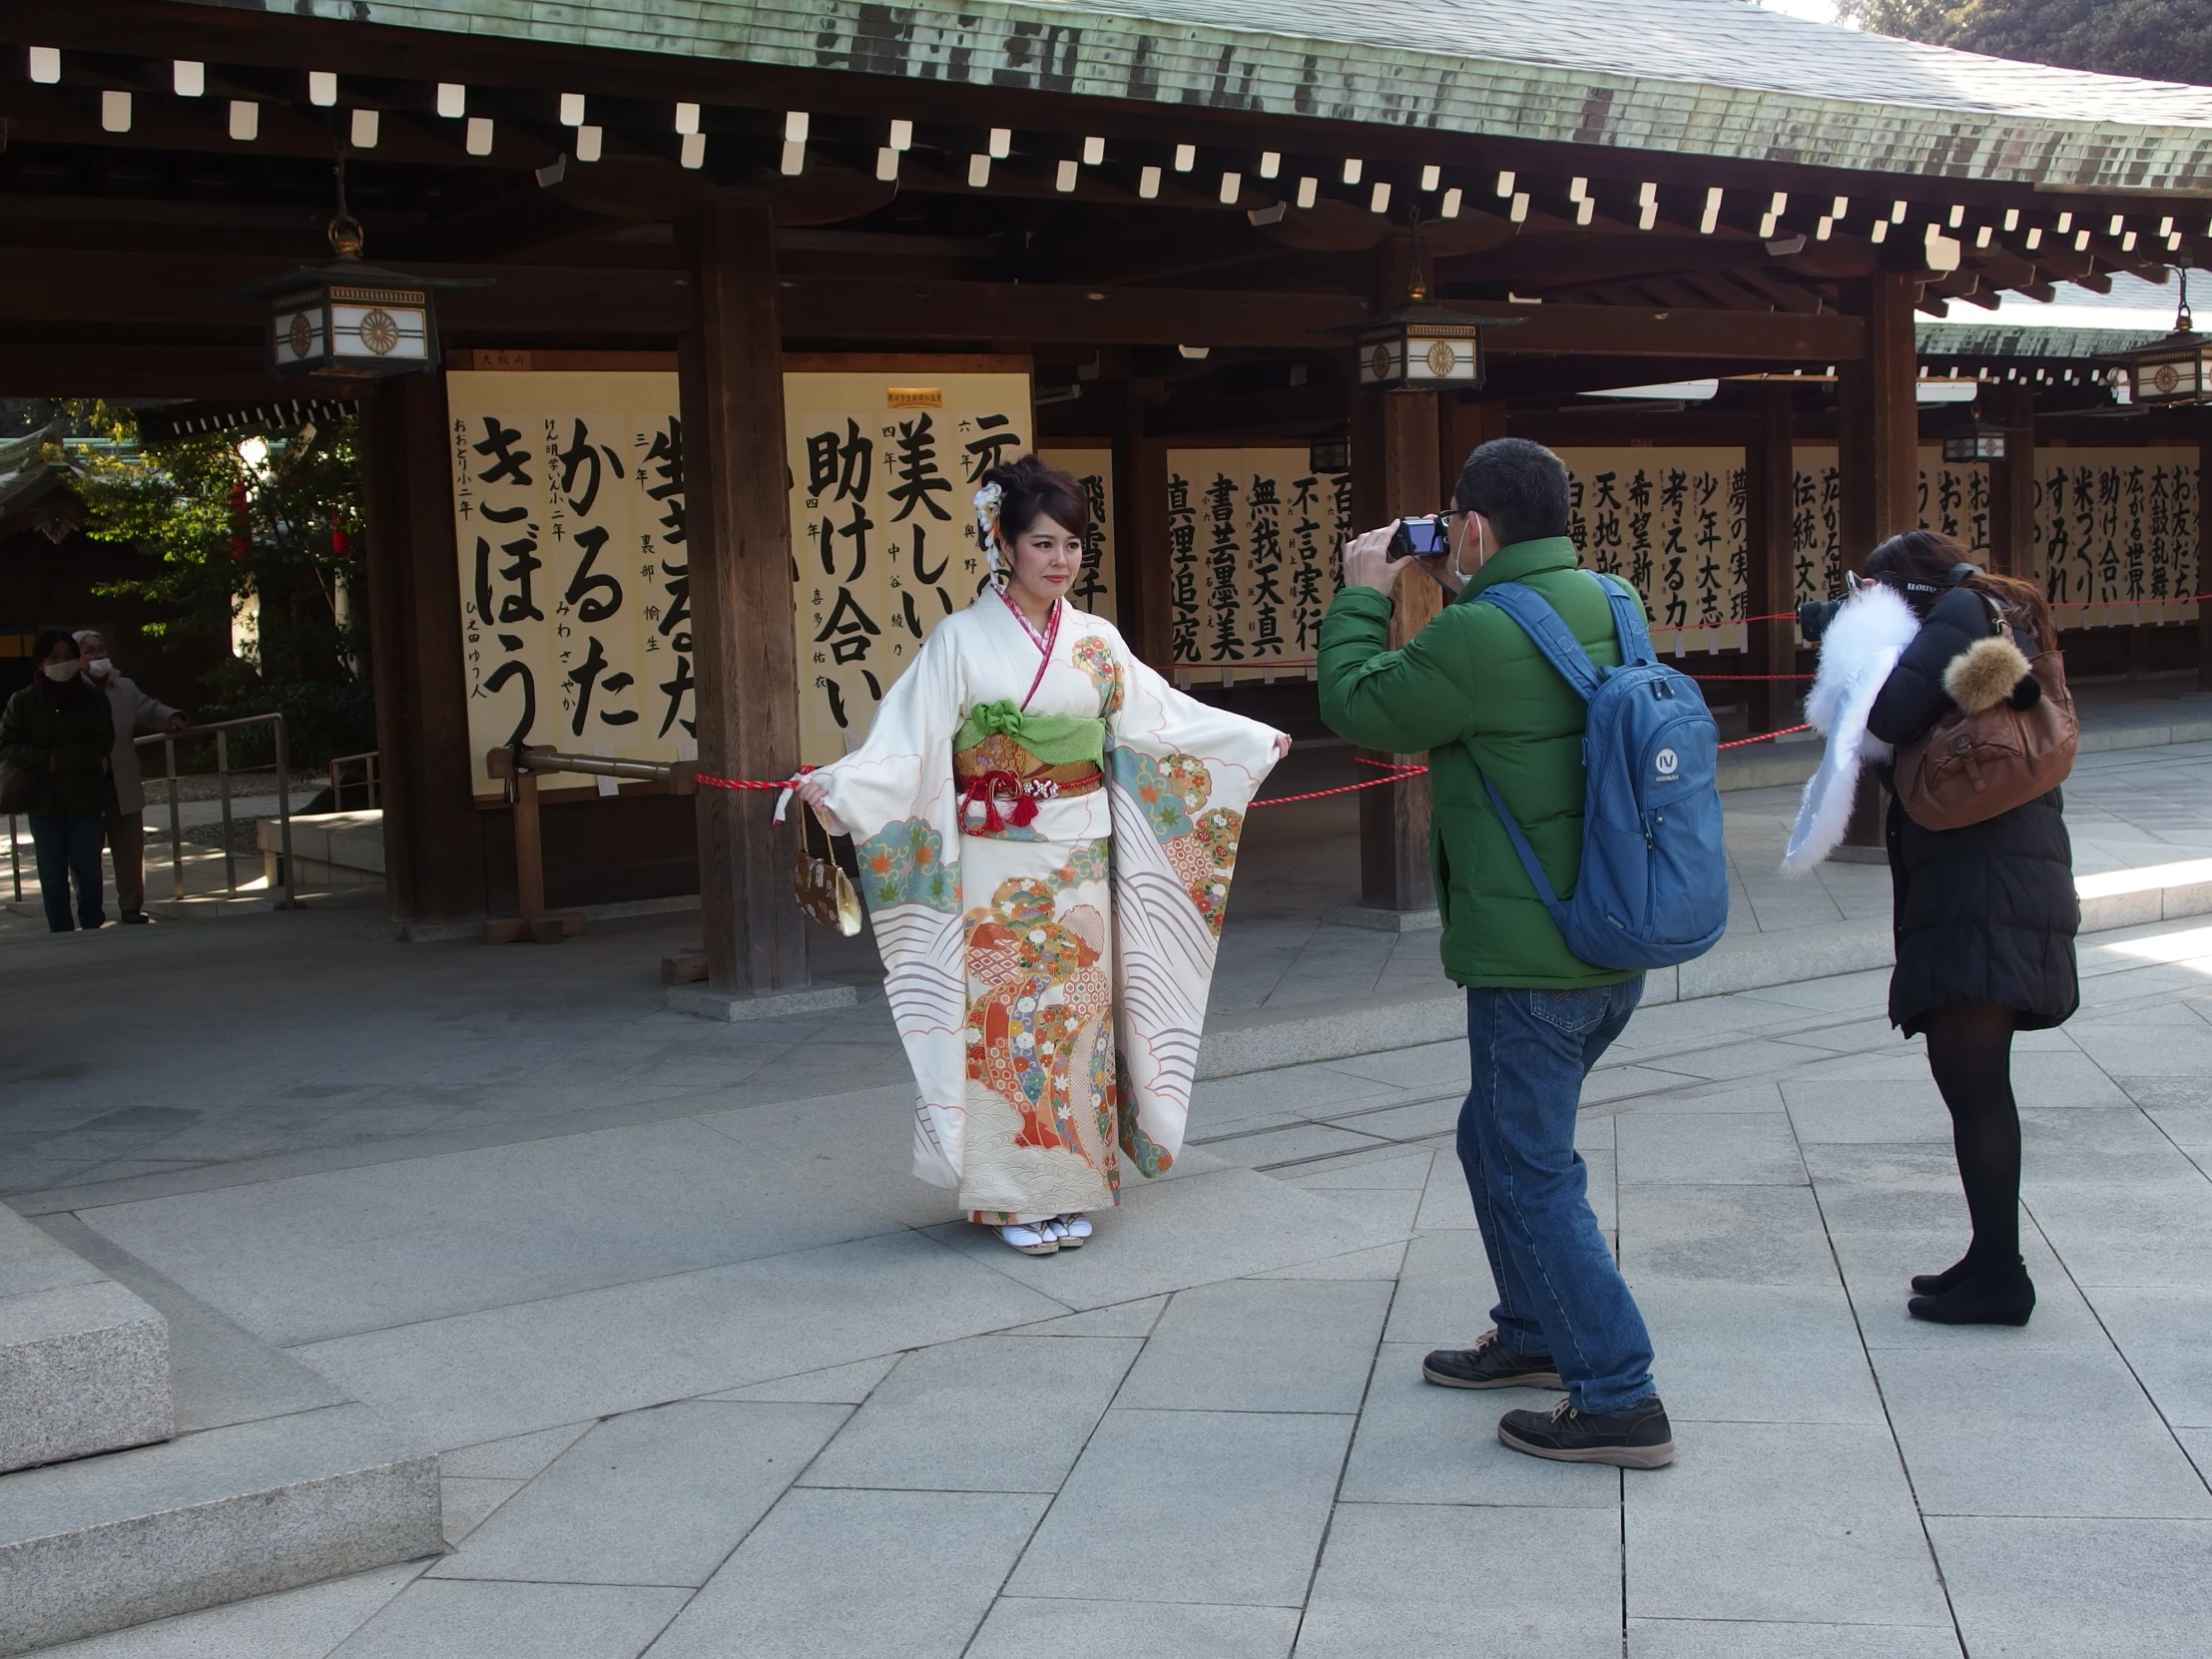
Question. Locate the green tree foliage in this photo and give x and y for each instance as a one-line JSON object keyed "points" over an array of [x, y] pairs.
{"points": [[271, 519], [2159, 40]]}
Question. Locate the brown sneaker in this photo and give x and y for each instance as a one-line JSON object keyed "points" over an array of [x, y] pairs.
{"points": [[1489, 1365]]}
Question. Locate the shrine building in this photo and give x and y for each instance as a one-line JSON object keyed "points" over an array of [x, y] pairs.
{"points": [[728, 304]]}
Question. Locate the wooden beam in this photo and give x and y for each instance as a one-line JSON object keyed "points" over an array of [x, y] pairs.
{"points": [[1770, 474], [730, 373], [591, 304]]}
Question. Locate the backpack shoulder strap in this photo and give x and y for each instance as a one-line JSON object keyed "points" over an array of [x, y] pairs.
{"points": [[1550, 635], [1629, 621]]}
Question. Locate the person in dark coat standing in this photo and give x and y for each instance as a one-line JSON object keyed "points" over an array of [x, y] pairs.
{"points": [[59, 729], [1986, 918]]}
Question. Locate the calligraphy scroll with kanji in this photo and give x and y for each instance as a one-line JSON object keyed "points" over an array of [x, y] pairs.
{"points": [[568, 501], [1094, 470], [883, 467], [1252, 544], [1672, 522], [2116, 534]]}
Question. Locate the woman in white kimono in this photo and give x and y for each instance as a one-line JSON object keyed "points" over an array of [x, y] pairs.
{"points": [[1047, 831]]}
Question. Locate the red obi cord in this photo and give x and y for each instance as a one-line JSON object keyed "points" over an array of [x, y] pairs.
{"points": [[984, 790]]}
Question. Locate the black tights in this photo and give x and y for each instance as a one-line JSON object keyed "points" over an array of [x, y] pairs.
{"points": [[1970, 1051]]}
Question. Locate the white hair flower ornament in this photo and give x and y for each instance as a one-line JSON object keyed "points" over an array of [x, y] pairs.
{"points": [[986, 520]]}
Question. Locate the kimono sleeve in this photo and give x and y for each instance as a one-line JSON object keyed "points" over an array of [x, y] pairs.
{"points": [[1181, 775], [904, 769]]}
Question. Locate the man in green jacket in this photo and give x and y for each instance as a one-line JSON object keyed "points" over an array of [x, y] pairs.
{"points": [[1473, 690]]}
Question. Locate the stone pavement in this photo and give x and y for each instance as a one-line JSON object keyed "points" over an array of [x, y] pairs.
{"points": [[713, 1377]]}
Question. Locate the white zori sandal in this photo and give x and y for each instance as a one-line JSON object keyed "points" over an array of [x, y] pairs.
{"points": [[1073, 1229], [1031, 1237]]}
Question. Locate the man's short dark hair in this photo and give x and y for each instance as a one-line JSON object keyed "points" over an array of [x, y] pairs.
{"points": [[1521, 487]]}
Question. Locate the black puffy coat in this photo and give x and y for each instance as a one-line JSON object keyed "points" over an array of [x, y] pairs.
{"points": [[1985, 916]]}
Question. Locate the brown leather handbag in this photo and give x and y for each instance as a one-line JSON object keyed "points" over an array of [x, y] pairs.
{"points": [[1969, 767], [823, 891]]}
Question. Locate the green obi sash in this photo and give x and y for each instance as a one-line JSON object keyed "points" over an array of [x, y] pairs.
{"points": [[1055, 740]]}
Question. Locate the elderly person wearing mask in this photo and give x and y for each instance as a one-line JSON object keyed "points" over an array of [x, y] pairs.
{"points": [[58, 729], [124, 819]]}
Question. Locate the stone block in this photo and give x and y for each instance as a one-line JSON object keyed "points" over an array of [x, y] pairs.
{"points": [[84, 1368], [709, 1003], [95, 1545], [84, 1363]]}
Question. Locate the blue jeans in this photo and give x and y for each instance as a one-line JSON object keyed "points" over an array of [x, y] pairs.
{"points": [[68, 847], [1560, 1293]]}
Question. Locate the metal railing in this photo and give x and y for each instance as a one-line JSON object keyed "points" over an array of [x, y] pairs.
{"points": [[221, 731], [15, 859], [367, 764]]}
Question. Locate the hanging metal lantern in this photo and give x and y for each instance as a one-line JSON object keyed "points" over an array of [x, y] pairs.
{"points": [[349, 318], [1422, 346], [1420, 349], [1977, 440], [2176, 370], [1329, 451]]}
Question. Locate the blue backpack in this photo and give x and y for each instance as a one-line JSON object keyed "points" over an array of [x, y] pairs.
{"points": [[1653, 890]]}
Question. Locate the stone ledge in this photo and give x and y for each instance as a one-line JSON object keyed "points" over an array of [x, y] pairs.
{"points": [[706, 1003], [84, 1363], [1378, 920], [106, 1543]]}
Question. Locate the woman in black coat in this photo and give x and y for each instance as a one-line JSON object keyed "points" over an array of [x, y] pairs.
{"points": [[1985, 916]]}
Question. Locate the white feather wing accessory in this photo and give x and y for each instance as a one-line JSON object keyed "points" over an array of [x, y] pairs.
{"points": [[1858, 652]]}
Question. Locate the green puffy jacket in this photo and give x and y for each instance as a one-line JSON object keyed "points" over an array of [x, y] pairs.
{"points": [[62, 737], [1473, 690]]}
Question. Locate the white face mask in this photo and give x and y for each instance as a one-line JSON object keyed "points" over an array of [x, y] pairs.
{"points": [[61, 671], [98, 666]]}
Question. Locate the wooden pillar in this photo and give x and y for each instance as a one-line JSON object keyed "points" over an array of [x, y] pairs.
{"points": [[1877, 421], [1770, 586], [1877, 452], [1141, 491], [1463, 426], [742, 657], [1394, 452], [433, 833], [2012, 550]]}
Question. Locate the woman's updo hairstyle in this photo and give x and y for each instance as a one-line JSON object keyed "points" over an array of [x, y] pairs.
{"points": [[1033, 491]]}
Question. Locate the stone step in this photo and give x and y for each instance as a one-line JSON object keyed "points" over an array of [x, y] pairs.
{"points": [[209, 1517], [84, 1362], [1263, 1039]]}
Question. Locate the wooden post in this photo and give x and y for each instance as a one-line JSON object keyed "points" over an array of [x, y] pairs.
{"points": [[1462, 427], [744, 660], [1877, 421], [1141, 489], [1394, 451], [1877, 450], [2012, 550], [433, 834], [1769, 587]]}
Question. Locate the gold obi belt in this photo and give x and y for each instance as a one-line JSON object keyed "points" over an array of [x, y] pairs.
{"points": [[992, 766], [1000, 770]]}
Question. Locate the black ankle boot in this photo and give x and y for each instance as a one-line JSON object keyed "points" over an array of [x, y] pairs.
{"points": [[2004, 1296], [1936, 1284]]}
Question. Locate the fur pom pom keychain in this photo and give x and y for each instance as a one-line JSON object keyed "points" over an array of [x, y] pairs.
{"points": [[1987, 673]]}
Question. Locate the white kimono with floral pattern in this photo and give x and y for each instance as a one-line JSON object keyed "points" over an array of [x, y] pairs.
{"points": [[1049, 981]]}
